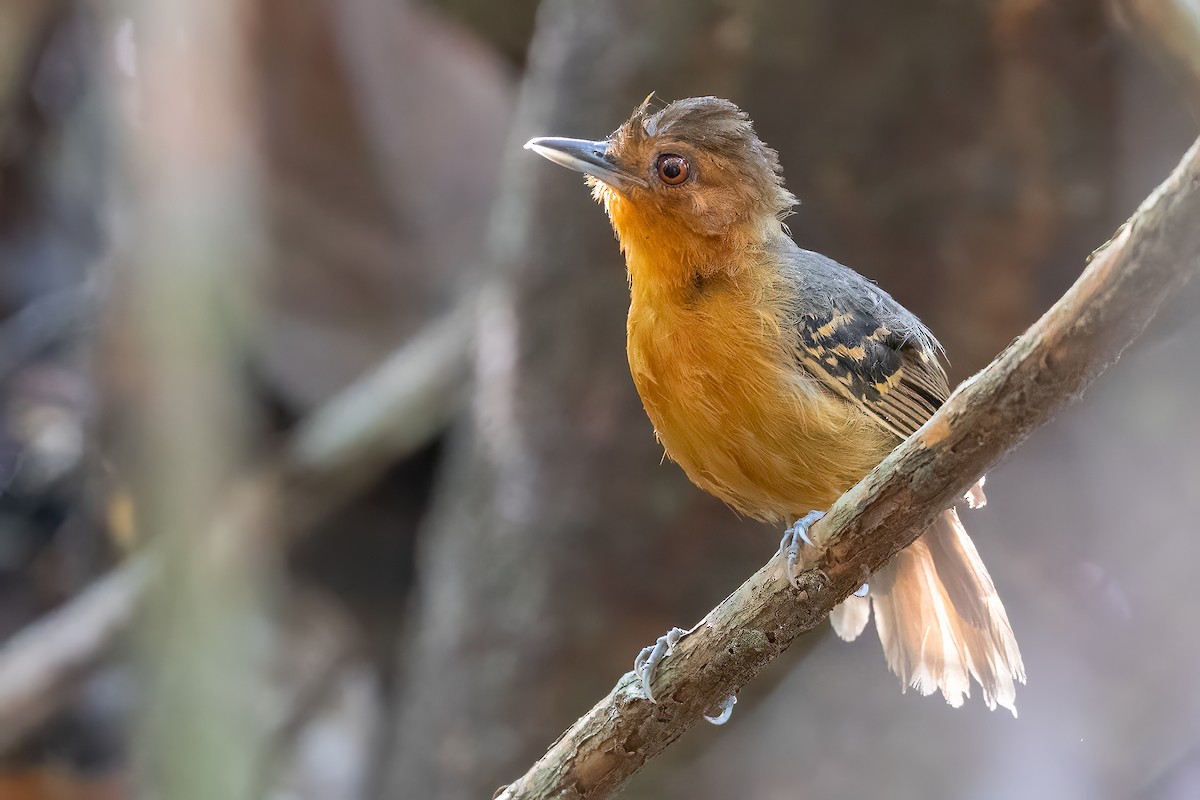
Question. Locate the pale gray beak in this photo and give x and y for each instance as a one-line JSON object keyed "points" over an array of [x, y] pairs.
{"points": [[584, 156]]}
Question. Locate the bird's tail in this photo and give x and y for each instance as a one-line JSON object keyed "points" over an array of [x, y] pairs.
{"points": [[940, 620]]}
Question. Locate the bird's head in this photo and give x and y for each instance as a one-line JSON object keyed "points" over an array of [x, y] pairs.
{"points": [[692, 170]]}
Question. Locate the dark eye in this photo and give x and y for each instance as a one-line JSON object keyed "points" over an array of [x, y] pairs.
{"points": [[673, 170]]}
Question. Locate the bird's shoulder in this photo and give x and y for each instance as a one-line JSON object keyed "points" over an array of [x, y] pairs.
{"points": [[861, 344]]}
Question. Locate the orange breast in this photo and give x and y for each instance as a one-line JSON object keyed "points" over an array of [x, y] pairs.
{"points": [[715, 371]]}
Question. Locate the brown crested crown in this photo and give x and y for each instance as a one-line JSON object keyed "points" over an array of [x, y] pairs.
{"points": [[715, 126]]}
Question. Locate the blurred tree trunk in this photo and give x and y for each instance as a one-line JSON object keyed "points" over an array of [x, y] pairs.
{"points": [[560, 545]]}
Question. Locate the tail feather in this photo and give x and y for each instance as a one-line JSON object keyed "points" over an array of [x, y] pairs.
{"points": [[996, 659], [850, 617], [940, 620], [918, 626]]}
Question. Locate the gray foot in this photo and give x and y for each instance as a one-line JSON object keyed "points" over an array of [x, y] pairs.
{"points": [[789, 545], [647, 661]]}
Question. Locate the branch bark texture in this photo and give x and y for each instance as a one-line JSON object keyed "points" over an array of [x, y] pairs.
{"points": [[1043, 371]]}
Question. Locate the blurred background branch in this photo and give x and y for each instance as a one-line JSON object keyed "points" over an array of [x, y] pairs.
{"points": [[389, 414], [43, 665], [42, 323]]}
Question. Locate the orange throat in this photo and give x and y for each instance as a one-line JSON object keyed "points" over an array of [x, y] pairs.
{"points": [[662, 253]]}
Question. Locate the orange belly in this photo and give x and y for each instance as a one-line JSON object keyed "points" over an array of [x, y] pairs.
{"points": [[731, 406]]}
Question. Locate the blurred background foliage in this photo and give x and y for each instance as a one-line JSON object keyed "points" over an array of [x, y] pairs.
{"points": [[473, 540]]}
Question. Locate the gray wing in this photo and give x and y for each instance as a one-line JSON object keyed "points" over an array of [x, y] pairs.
{"points": [[864, 346]]}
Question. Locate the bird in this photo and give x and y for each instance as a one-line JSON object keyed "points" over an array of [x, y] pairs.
{"points": [[777, 378]]}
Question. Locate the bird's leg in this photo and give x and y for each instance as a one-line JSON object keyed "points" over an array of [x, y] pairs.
{"points": [[789, 548], [789, 545], [647, 661]]}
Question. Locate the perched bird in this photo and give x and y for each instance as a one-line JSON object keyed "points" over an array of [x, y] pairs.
{"points": [[777, 378]]}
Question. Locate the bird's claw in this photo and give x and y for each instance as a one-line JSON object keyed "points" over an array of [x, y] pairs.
{"points": [[647, 661], [789, 545], [720, 713]]}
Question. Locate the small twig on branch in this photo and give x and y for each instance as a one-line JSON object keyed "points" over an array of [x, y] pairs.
{"points": [[1043, 371]]}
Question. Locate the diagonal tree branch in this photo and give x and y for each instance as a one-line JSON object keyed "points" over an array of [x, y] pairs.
{"points": [[1042, 372]]}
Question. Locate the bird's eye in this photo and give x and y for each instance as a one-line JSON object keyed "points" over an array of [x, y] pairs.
{"points": [[673, 170]]}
